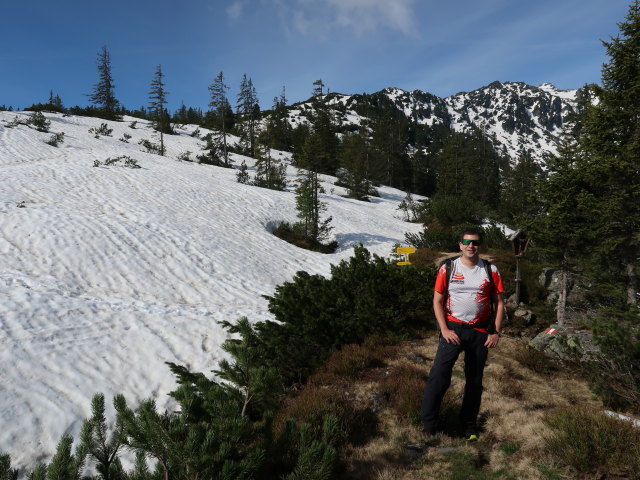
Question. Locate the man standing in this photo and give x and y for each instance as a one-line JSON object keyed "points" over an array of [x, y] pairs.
{"points": [[469, 309]]}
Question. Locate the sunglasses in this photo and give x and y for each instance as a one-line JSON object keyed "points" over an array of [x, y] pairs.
{"points": [[475, 243]]}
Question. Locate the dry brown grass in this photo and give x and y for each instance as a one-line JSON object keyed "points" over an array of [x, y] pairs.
{"points": [[375, 390]]}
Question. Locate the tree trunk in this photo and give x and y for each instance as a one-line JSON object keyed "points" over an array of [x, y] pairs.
{"points": [[561, 306], [632, 283]]}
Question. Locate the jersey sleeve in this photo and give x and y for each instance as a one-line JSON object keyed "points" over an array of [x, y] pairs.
{"points": [[441, 280], [497, 279]]}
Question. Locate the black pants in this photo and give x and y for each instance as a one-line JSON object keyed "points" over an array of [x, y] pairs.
{"points": [[475, 357]]}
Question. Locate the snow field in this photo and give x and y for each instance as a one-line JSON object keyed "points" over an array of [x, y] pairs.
{"points": [[106, 273]]}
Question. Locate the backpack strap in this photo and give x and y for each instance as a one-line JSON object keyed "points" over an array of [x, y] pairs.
{"points": [[447, 262], [492, 316]]}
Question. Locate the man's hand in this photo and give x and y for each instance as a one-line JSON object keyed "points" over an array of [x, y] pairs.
{"points": [[450, 336], [492, 340]]}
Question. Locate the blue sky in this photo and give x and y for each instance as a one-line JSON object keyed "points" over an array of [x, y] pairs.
{"points": [[354, 46]]}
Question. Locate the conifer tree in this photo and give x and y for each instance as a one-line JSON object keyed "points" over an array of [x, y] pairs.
{"points": [[324, 127], [354, 173], [246, 373], [270, 173], [157, 101], [277, 132], [220, 104], [65, 464], [518, 194], [242, 176], [563, 226], [97, 443], [609, 134], [6, 472], [248, 110], [103, 95], [309, 207]]}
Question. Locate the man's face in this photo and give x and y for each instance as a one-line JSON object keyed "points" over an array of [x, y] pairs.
{"points": [[472, 249]]}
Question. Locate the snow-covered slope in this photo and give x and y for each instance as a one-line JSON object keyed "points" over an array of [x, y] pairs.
{"points": [[108, 272]]}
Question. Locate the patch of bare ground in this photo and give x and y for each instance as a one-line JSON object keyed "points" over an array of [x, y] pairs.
{"points": [[515, 404]]}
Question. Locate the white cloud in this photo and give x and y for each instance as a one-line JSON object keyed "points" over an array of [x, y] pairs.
{"points": [[322, 17], [234, 11], [368, 15]]}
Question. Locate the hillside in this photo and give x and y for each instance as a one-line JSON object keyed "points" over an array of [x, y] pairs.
{"points": [[107, 272], [520, 118]]}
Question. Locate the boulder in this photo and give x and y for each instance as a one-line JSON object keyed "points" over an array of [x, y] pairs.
{"points": [[568, 343], [524, 317]]}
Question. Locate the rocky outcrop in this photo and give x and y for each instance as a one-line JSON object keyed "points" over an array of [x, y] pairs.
{"points": [[566, 344]]}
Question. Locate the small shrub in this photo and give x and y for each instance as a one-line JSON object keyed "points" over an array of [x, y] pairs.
{"points": [[133, 124], [366, 295], [185, 156], [313, 404], [196, 133], [289, 234], [150, 146], [614, 373], [39, 122], [102, 131], [125, 138], [15, 122], [125, 160], [589, 441], [349, 361], [56, 139]]}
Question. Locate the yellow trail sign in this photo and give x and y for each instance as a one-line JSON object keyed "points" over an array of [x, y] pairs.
{"points": [[405, 252]]}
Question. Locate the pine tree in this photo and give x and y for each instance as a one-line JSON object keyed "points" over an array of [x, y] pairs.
{"points": [[270, 173], [257, 384], [98, 445], [518, 194], [354, 161], [103, 95], [6, 472], [309, 207], [562, 229], [65, 464], [610, 135], [242, 176], [248, 110], [277, 132], [220, 104], [324, 127], [157, 101]]}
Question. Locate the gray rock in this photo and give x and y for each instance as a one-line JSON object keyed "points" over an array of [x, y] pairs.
{"points": [[568, 343], [525, 316]]}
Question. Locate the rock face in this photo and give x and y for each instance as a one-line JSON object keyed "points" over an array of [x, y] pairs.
{"points": [[567, 344]]}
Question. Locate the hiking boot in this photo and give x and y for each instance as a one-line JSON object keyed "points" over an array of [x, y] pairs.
{"points": [[471, 434]]}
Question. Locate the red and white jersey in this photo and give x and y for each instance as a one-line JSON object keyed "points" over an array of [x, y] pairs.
{"points": [[469, 298]]}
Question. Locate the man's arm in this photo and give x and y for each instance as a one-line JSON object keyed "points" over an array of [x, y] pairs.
{"points": [[438, 308], [498, 302]]}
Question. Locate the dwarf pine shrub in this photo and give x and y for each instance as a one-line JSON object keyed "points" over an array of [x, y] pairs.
{"points": [[56, 139], [365, 295], [39, 122], [102, 131]]}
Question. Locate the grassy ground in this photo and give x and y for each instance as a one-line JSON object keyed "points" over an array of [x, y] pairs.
{"points": [[377, 390]]}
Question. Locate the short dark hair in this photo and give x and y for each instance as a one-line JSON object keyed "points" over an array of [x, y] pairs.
{"points": [[473, 231]]}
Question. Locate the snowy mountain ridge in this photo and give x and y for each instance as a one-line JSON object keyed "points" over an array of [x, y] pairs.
{"points": [[520, 118]]}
